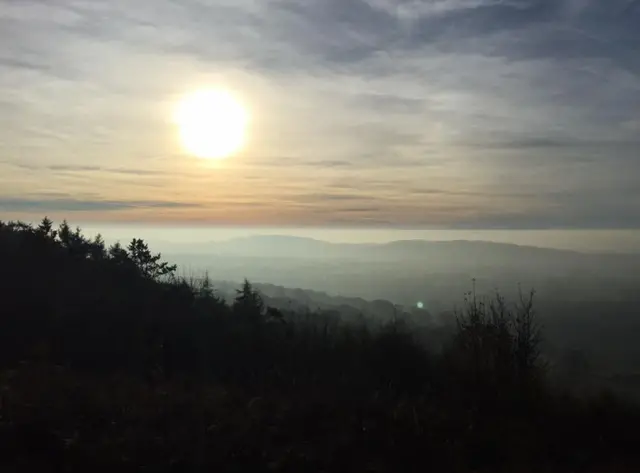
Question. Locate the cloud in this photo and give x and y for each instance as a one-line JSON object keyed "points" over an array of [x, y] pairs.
{"points": [[327, 197], [360, 209], [80, 168], [68, 167], [19, 204], [513, 113]]}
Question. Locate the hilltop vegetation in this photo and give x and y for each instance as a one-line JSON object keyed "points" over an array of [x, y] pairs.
{"points": [[110, 361]]}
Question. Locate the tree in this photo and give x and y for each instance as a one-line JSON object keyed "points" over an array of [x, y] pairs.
{"points": [[248, 301], [118, 254], [64, 234], [206, 290], [73, 240], [207, 301], [527, 338], [46, 229], [275, 315], [149, 265], [496, 343], [97, 249]]}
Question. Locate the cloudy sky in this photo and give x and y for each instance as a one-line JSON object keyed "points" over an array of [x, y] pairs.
{"points": [[454, 113]]}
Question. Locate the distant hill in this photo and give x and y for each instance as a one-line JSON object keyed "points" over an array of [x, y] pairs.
{"points": [[304, 299], [434, 273], [440, 255]]}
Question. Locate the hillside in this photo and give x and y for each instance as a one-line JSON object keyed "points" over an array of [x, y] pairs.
{"points": [[406, 272], [309, 300], [120, 365], [452, 252]]}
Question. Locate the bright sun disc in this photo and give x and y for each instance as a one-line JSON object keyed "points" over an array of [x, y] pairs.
{"points": [[211, 123]]}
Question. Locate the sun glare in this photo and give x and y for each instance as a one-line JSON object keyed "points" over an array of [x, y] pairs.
{"points": [[211, 123]]}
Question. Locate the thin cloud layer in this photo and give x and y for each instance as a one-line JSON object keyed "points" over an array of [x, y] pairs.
{"points": [[72, 205], [462, 113]]}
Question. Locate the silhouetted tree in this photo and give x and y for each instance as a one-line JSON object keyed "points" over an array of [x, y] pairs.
{"points": [[97, 250], [118, 254], [45, 229], [496, 344], [206, 287], [149, 265], [248, 302], [275, 315], [64, 234], [206, 299], [527, 339]]}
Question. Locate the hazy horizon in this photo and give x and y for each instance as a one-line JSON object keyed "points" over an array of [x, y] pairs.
{"points": [[567, 239]]}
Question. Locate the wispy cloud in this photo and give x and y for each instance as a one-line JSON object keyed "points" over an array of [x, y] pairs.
{"points": [[100, 169], [80, 168], [19, 204]]}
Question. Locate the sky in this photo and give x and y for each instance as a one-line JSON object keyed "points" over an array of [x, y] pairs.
{"points": [[482, 114]]}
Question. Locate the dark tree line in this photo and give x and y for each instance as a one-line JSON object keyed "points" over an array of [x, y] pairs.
{"points": [[109, 360]]}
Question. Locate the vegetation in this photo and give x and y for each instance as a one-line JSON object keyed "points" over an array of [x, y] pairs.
{"points": [[109, 361]]}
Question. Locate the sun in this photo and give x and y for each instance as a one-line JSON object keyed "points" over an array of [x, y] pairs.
{"points": [[212, 123]]}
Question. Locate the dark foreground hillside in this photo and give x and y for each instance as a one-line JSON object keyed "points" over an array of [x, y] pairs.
{"points": [[110, 363]]}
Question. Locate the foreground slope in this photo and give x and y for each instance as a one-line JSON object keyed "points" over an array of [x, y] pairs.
{"points": [[116, 364]]}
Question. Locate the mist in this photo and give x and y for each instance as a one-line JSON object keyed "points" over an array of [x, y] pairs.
{"points": [[164, 237]]}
